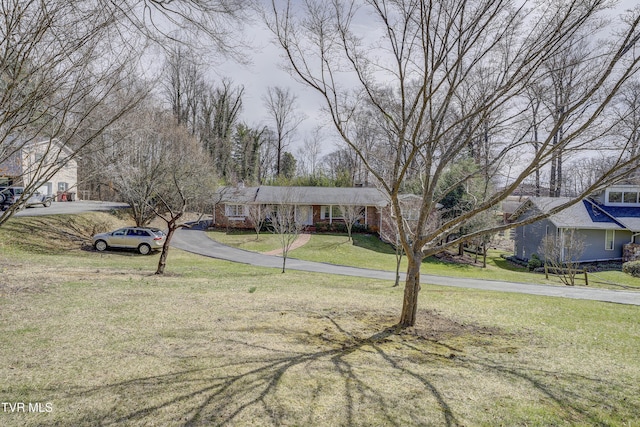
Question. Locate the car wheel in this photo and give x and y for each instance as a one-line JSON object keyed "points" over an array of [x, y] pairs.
{"points": [[47, 203], [101, 245], [144, 249]]}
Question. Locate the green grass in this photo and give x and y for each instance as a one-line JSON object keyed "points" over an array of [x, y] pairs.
{"points": [[249, 241], [368, 251], [214, 343]]}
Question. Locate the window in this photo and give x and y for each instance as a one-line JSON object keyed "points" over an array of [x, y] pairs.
{"points": [[615, 197], [63, 186], [234, 210], [623, 197], [609, 239], [630, 197], [335, 212]]}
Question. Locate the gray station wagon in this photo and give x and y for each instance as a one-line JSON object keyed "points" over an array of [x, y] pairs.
{"points": [[144, 239]]}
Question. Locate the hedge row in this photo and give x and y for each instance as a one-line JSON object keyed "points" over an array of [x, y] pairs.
{"points": [[632, 268]]}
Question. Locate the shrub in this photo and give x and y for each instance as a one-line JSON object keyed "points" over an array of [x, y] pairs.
{"points": [[514, 260], [338, 227], [534, 262], [632, 268]]}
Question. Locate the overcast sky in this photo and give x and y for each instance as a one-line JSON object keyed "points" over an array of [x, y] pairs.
{"points": [[266, 71]]}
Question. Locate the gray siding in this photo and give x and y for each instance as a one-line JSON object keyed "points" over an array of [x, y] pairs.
{"points": [[529, 237], [595, 245]]}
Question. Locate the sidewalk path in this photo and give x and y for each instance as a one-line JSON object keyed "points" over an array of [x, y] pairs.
{"points": [[196, 241], [301, 240]]}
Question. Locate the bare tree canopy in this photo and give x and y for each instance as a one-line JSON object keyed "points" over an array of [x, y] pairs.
{"points": [[281, 108], [63, 77], [204, 24], [69, 70], [445, 81]]}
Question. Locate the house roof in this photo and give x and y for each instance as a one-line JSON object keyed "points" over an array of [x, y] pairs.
{"points": [[239, 195], [586, 214], [627, 216], [357, 196], [265, 195]]}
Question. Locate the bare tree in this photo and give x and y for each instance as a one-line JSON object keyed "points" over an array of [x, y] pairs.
{"points": [[416, 70], [562, 253], [64, 79], [184, 84], [389, 233], [283, 221], [186, 184], [628, 109], [212, 26], [246, 153], [281, 108], [125, 161], [351, 214], [221, 108], [257, 214], [309, 154], [65, 69], [267, 163], [160, 170], [341, 166]]}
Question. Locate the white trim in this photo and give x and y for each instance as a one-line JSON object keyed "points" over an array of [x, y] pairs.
{"points": [[623, 192], [235, 210], [606, 240]]}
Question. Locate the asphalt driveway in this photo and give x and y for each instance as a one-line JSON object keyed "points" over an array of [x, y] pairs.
{"points": [[79, 206], [196, 241]]}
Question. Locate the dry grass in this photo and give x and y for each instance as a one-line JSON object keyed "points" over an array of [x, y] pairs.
{"points": [[108, 343]]}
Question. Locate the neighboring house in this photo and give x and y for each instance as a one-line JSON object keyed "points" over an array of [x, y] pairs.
{"points": [[609, 223], [31, 163], [313, 205]]}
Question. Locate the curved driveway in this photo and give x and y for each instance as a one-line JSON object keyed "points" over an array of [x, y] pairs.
{"points": [[196, 241]]}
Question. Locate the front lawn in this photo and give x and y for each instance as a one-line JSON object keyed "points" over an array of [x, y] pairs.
{"points": [[250, 241], [99, 340], [368, 251]]}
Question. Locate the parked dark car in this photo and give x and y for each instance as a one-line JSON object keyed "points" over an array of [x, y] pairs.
{"points": [[144, 239]]}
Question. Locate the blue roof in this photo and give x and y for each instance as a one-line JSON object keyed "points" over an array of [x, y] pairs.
{"points": [[612, 214], [621, 211], [598, 214]]}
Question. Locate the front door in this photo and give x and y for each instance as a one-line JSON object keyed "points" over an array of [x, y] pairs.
{"points": [[304, 215]]}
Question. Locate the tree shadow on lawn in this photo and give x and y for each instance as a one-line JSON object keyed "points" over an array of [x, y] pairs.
{"points": [[391, 377]]}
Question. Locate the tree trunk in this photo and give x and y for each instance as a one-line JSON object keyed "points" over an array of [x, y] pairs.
{"points": [[484, 255], [411, 291], [162, 262], [398, 262]]}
